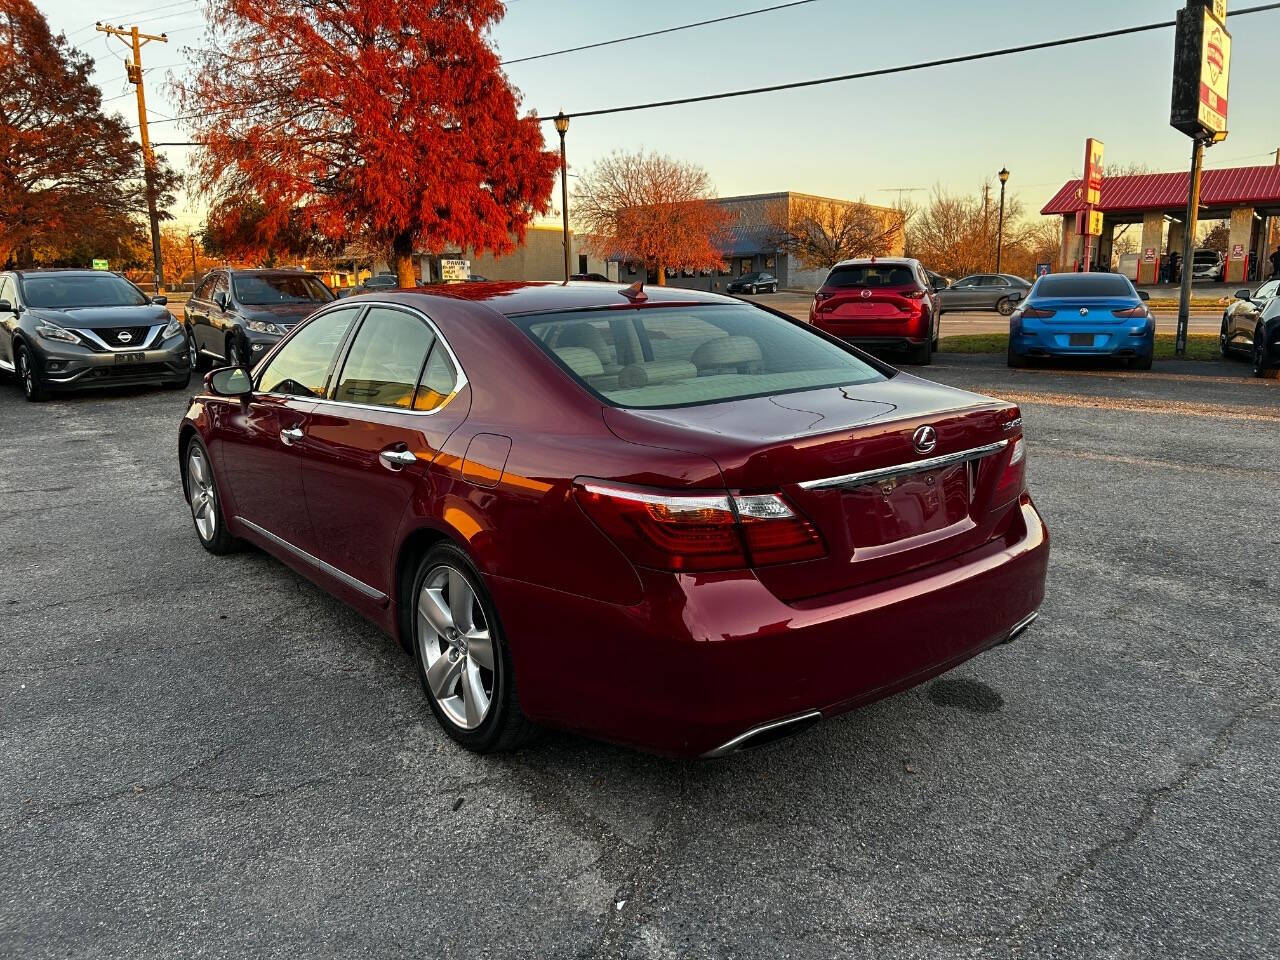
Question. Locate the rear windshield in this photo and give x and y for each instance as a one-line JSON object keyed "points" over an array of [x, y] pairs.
{"points": [[872, 275], [1083, 285], [260, 291], [680, 356], [62, 291]]}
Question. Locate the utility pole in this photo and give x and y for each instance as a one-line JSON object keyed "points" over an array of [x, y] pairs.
{"points": [[194, 278], [133, 70], [1188, 246]]}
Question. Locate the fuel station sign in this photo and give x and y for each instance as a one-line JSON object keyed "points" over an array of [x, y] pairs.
{"points": [[1201, 70]]}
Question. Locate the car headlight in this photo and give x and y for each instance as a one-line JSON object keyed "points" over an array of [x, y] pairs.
{"points": [[262, 326], [51, 331], [172, 330]]}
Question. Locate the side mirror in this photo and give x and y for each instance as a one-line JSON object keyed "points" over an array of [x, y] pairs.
{"points": [[220, 299], [1243, 294], [1143, 295], [229, 382], [160, 301], [1016, 296], [6, 307]]}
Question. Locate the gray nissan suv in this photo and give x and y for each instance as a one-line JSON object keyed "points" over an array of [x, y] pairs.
{"points": [[72, 329]]}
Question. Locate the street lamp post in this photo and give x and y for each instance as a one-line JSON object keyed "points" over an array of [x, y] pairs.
{"points": [[562, 127], [1004, 178]]}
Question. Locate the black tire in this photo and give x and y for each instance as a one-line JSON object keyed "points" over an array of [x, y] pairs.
{"points": [[1143, 361], [1223, 349], [179, 384], [218, 540], [29, 374], [937, 334], [1005, 306], [1259, 352], [1016, 360], [237, 355], [503, 727], [194, 356], [923, 355]]}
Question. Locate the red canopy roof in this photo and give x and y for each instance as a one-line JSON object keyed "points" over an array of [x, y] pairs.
{"points": [[1230, 187]]}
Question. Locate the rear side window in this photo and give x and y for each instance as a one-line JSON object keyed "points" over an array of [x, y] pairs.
{"points": [[1084, 285], [681, 356], [872, 275], [385, 360], [301, 367]]}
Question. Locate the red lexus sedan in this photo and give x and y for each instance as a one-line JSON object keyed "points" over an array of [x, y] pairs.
{"points": [[879, 303], [666, 518]]}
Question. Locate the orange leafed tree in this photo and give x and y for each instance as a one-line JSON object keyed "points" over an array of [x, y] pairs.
{"points": [[362, 119], [651, 208]]}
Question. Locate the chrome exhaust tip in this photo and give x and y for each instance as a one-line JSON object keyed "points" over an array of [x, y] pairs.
{"points": [[765, 733], [1020, 626]]}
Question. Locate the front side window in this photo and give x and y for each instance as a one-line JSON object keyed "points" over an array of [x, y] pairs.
{"points": [[261, 291], [220, 285], [60, 291], [205, 290], [301, 367], [1265, 291], [680, 356], [385, 360]]}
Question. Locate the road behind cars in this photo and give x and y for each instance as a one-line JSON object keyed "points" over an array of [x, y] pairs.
{"points": [[218, 758]]}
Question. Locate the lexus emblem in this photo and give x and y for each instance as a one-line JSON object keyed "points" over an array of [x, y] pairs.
{"points": [[925, 439], [124, 336], [866, 294], [1084, 311]]}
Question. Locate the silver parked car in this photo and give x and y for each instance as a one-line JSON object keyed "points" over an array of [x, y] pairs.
{"points": [[984, 291]]}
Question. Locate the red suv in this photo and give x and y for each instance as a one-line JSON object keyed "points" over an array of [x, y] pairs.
{"points": [[882, 302]]}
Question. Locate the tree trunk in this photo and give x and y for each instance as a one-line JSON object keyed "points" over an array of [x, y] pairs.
{"points": [[402, 249], [662, 275]]}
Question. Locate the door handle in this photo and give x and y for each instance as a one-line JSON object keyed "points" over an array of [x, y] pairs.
{"points": [[394, 459], [287, 437]]}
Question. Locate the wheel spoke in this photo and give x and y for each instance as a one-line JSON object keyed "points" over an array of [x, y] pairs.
{"points": [[474, 700], [433, 609], [480, 647], [443, 674], [461, 600]]}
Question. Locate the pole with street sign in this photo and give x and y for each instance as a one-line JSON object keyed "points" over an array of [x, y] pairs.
{"points": [[1201, 69], [1089, 217]]}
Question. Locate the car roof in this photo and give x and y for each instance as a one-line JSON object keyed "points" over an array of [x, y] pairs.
{"points": [[514, 298], [267, 271], [867, 261], [65, 271]]}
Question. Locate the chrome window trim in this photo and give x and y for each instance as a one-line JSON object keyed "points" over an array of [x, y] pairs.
{"points": [[864, 477], [460, 377], [358, 585], [129, 348]]}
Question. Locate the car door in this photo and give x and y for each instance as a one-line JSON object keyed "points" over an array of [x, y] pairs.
{"points": [[8, 321], [220, 319], [370, 443], [198, 312], [257, 442], [1244, 318], [960, 295]]}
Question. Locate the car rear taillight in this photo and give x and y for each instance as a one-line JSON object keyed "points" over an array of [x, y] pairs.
{"points": [[912, 294], [1132, 313], [672, 530], [1037, 312], [1013, 482]]}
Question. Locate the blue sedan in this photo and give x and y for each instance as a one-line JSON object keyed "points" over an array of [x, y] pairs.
{"points": [[1083, 315]]}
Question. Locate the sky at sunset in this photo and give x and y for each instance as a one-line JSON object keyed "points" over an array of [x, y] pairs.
{"points": [[950, 125]]}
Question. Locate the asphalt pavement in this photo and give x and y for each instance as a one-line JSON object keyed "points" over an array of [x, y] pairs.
{"points": [[209, 757]]}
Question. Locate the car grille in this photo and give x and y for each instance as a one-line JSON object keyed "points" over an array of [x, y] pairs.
{"points": [[135, 340], [128, 371]]}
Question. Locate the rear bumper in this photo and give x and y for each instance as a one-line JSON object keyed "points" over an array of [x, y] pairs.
{"points": [[1110, 340], [876, 344], [706, 659]]}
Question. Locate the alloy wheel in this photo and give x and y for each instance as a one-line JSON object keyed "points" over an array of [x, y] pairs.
{"points": [[204, 507], [26, 374], [193, 354], [456, 646], [234, 354]]}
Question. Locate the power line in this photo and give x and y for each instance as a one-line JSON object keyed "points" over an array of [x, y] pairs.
{"points": [[657, 33], [906, 68]]}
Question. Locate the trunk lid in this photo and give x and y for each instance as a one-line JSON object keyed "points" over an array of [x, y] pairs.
{"points": [[860, 304], [1099, 309], [798, 444]]}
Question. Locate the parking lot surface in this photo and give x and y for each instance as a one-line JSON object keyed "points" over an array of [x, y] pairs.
{"points": [[210, 757]]}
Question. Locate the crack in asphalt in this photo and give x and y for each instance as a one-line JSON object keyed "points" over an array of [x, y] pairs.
{"points": [[1150, 800]]}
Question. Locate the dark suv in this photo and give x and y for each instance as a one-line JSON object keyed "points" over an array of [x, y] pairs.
{"points": [[68, 329], [235, 316], [880, 302]]}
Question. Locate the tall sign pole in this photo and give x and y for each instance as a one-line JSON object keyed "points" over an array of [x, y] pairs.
{"points": [[1201, 69], [1089, 217], [133, 70]]}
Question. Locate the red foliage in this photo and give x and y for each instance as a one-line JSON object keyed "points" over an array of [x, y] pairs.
{"points": [[391, 123]]}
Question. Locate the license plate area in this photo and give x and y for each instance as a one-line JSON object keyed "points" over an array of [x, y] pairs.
{"points": [[900, 508], [1081, 339], [130, 357]]}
